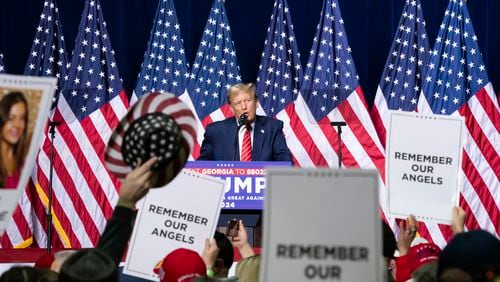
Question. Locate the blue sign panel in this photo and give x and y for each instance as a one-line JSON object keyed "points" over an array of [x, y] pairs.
{"points": [[245, 181]]}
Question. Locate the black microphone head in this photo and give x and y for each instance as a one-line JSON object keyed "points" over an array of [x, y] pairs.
{"points": [[243, 119]]}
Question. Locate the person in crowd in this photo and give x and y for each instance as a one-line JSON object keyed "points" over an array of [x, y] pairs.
{"points": [[14, 127], [389, 245], [218, 268], [136, 185], [139, 171], [246, 136], [418, 259], [241, 242], [183, 265], [248, 269], [45, 261], [59, 259], [225, 256], [92, 265], [101, 264], [28, 274], [470, 256]]}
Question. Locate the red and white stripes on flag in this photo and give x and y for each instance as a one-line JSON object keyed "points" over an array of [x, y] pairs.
{"points": [[90, 106], [463, 88], [47, 58], [214, 70], [401, 80], [480, 173]]}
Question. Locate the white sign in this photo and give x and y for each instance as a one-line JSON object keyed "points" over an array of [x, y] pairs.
{"points": [[180, 215], [423, 160], [24, 106], [321, 225]]}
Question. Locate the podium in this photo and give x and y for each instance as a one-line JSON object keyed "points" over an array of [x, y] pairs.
{"points": [[244, 193]]}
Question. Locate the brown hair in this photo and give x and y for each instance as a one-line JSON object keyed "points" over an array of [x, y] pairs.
{"points": [[247, 270], [241, 87], [6, 103]]}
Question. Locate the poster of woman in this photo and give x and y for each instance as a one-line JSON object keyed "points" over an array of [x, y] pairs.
{"points": [[24, 109]]}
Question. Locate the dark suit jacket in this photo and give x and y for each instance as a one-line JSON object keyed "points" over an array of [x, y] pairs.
{"points": [[221, 141]]}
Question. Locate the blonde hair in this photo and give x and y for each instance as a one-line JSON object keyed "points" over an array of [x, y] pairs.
{"points": [[241, 87], [247, 270]]}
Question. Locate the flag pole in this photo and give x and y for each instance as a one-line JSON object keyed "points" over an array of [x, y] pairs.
{"points": [[52, 131]]}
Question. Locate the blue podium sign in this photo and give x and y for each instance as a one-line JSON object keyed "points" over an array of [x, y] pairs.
{"points": [[245, 181]]}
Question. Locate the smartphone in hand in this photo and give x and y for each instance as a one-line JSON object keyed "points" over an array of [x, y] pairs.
{"points": [[232, 228]]}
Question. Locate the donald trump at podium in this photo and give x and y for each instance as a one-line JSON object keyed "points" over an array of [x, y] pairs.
{"points": [[246, 136]]}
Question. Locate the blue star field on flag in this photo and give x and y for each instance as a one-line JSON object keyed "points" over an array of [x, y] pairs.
{"points": [[456, 70], [164, 67], [280, 70], [402, 77], [330, 76], [2, 65], [215, 67], [48, 53], [93, 76]]}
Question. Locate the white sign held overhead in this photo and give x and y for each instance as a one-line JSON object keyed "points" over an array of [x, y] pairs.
{"points": [[26, 102], [423, 161], [321, 225], [180, 215]]}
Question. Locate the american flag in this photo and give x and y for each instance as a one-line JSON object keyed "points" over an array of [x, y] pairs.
{"points": [[331, 92], [2, 65], [90, 105], [164, 68], [48, 55], [47, 58], [401, 81], [456, 83], [214, 70], [278, 81]]}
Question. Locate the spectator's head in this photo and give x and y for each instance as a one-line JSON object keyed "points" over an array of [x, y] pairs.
{"points": [[389, 244], [225, 257], [247, 270], [182, 265], [45, 261], [242, 99], [425, 273], [59, 259], [89, 265], [475, 252], [28, 274], [418, 255]]}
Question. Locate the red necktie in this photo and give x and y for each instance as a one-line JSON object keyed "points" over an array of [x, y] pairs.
{"points": [[246, 148]]}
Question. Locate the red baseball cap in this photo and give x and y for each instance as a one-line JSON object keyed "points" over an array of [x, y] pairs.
{"points": [[45, 261], [417, 256], [182, 265]]}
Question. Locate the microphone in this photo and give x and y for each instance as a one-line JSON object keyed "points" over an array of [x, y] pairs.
{"points": [[242, 120], [52, 126], [338, 123]]}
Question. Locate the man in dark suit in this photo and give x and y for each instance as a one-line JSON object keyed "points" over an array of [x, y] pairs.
{"points": [[228, 140]]}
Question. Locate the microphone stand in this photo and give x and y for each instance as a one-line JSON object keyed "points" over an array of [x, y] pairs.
{"points": [[52, 131], [242, 120], [339, 125]]}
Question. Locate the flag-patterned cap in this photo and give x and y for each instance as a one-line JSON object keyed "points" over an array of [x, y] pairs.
{"points": [[159, 124], [155, 134]]}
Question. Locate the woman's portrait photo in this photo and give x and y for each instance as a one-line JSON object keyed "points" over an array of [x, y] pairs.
{"points": [[16, 124]]}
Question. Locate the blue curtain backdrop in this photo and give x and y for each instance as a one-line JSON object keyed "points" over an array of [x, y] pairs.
{"points": [[370, 26]]}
